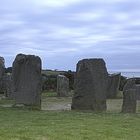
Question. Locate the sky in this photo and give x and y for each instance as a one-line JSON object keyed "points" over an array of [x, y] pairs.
{"points": [[62, 32]]}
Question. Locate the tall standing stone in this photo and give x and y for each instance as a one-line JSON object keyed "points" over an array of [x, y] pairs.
{"points": [[27, 79], [113, 85], [129, 101], [62, 86], [91, 83]]}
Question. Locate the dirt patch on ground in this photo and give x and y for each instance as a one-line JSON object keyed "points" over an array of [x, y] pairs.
{"points": [[56, 103], [64, 103]]}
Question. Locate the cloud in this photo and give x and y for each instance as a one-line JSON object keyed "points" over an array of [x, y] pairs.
{"points": [[71, 30], [56, 3]]}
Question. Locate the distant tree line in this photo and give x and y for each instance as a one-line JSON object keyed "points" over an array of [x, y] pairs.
{"points": [[49, 82]]}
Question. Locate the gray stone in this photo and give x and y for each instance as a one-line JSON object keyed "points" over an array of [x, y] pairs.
{"points": [[62, 86], [130, 84], [138, 91], [129, 101], [91, 83], [2, 67], [8, 86], [27, 79], [113, 85], [123, 81], [2, 71]]}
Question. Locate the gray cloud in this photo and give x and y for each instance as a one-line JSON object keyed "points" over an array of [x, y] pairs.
{"points": [[64, 32]]}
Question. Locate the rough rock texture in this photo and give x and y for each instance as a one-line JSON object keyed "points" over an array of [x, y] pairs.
{"points": [[91, 83], [123, 81], [27, 79], [8, 86], [113, 85], [138, 91], [130, 84], [129, 101], [1, 87], [62, 86], [2, 66], [2, 71]]}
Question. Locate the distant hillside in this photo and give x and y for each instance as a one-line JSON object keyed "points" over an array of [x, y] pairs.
{"points": [[50, 79], [46, 72], [52, 72]]}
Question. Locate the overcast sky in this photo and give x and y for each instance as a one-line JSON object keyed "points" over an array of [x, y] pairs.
{"points": [[62, 32]]}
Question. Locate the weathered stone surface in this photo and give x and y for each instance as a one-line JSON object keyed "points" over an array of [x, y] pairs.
{"points": [[91, 83], [129, 101], [62, 86], [70, 75], [138, 91], [123, 81], [2, 67], [2, 71], [8, 86], [130, 84], [27, 79], [1, 87], [113, 85]]}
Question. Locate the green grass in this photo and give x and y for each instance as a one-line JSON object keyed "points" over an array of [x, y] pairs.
{"points": [[22, 124], [54, 94], [49, 94], [6, 101]]}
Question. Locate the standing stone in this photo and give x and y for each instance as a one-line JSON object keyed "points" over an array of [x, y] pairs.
{"points": [[8, 86], [27, 80], [130, 84], [138, 91], [62, 86], [113, 85], [129, 101], [2, 67], [91, 83], [2, 71], [123, 81], [44, 78]]}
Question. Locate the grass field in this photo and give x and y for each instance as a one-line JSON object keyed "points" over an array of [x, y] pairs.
{"points": [[24, 124]]}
